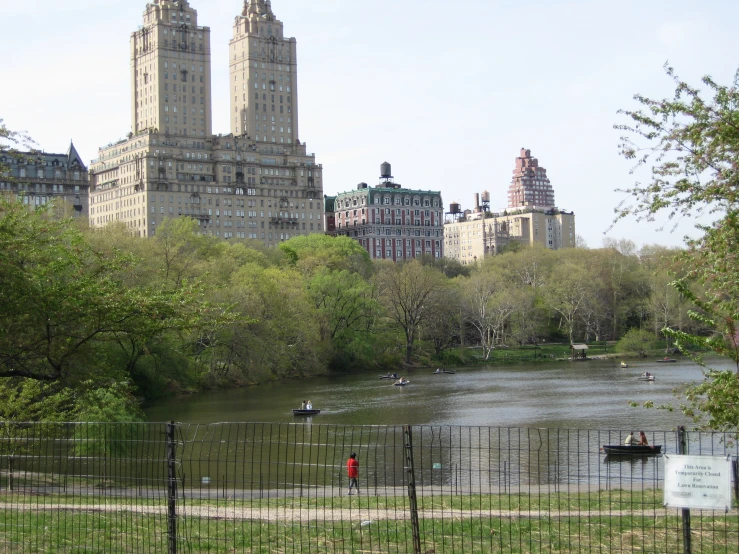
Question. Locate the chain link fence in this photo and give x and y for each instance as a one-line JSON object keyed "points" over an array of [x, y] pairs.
{"points": [[261, 487]]}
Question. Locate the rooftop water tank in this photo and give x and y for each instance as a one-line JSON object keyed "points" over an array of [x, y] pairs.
{"points": [[386, 171]]}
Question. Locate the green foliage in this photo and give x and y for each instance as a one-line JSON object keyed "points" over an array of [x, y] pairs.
{"points": [[99, 407], [31, 400], [410, 293], [692, 144], [312, 253], [637, 341]]}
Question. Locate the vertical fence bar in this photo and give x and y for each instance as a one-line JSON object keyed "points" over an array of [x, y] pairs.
{"points": [[171, 489], [408, 431], [682, 448]]}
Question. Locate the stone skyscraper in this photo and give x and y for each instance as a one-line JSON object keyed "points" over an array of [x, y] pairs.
{"points": [[263, 69], [257, 183], [170, 72]]}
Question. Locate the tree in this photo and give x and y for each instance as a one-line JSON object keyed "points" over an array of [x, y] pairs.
{"points": [[279, 335], [312, 253], [60, 298], [179, 245], [347, 304], [442, 326], [409, 291], [691, 145], [566, 295], [13, 144], [667, 306], [488, 306], [637, 341]]}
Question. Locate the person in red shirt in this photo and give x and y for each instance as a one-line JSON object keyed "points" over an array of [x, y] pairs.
{"points": [[352, 470]]}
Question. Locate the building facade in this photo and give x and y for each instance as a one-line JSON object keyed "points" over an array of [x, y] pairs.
{"points": [[530, 186], [531, 218], [263, 72], [389, 221], [245, 185], [38, 178], [475, 236], [170, 72]]}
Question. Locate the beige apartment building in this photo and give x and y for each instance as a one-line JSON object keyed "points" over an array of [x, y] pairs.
{"points": [[259, 182], [471, 238], [530, 218]]}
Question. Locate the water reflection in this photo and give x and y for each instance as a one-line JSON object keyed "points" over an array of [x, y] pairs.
{"points": [[593, 395]]}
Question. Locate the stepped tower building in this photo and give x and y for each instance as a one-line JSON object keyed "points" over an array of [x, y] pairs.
{"points": [[530, 185], [256, 183]]}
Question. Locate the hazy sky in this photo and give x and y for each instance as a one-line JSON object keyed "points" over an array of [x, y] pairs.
{"points": [[447, 91]]}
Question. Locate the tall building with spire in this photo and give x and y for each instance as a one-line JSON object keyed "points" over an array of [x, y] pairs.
{"points": [[258, 183], [170, 71], [263, 69]]}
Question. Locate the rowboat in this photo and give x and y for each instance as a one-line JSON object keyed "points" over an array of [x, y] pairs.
{"points": [[624, 365], [647, 378], [306, 412], [445, 371], [632, 449], [403, 384], [667, 361], [388, 376]]}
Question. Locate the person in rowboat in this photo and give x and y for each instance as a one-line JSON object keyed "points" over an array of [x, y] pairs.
{"points": [[302, 406], [309, 405], [629, 439], [643, 439]]}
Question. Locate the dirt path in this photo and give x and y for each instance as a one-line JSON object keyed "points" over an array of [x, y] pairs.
{"points": [[324, 514]]}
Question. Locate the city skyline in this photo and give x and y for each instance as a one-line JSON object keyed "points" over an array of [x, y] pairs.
{"points": [[375, 84]]}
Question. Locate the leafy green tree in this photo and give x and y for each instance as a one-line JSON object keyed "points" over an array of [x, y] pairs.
{"points": [[636, 341], [566, 295], [488, 306], [443, 323], [409, 292], [180, 246], [60, 298], [312, 253], [690, 144], [347, 303], [279, 335]]}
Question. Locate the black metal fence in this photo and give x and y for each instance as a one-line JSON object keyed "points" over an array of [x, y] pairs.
{"points": [[284, 488]]}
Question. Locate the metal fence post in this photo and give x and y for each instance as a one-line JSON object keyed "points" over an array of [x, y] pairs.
{"points": [[171, 489], [412, 489], [682, 448]]}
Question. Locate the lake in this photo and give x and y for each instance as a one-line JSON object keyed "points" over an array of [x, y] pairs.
{"points": [[593, 394]]}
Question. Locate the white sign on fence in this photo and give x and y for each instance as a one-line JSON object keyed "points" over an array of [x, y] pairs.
{"points": [[701, 482]]}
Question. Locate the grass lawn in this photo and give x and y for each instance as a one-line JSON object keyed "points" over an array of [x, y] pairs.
{"points": [[603, 521]]}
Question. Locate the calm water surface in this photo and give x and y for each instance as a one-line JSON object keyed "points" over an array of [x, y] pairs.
{"points": [[583, 395]]}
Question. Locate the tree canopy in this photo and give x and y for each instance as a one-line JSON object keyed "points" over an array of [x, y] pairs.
{"points": [[690, 144]]}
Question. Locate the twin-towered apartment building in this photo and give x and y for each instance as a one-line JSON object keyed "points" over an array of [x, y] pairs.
{"points": [[259, 182]]}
